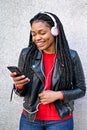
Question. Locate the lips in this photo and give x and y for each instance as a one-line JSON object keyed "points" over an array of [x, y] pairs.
{"points": [[39, 44]]}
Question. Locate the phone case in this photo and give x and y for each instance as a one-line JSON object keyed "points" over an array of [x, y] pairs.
{"points": [[14, 69]]}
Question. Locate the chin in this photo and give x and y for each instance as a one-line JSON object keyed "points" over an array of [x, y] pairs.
{"points": [[41, 48]]}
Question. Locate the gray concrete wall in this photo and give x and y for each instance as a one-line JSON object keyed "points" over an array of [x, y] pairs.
{"points": [[14, 33]]}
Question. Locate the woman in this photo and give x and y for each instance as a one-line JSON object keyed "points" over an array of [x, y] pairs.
{"points": [[53, 77]]}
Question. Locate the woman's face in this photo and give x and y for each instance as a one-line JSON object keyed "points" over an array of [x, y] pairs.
{"points": [[42, 37]]}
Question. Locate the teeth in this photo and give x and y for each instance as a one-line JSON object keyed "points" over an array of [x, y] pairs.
{"points": [[39, 43]]}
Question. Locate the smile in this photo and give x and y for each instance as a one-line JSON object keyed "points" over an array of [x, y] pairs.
{"points": [[40, 43]]}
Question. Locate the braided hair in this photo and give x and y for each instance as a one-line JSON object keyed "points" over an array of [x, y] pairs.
{"points": [[62, 50]]}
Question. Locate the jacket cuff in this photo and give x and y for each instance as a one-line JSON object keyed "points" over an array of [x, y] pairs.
{"points": [[62, 95], [73, 94], [18, 88]]}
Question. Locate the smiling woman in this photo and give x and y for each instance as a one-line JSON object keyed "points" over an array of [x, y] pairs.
{"points": [[53, 80], [42, 36]]}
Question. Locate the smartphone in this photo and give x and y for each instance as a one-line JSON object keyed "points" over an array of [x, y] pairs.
{"points": [[15, 69]]}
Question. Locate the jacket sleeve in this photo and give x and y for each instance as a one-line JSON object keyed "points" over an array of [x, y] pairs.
{"points": [[79, 88], [20, 66], [22, 57]]}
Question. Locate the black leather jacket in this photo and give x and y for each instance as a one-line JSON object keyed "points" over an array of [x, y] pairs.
{"points": [[31, 90]]}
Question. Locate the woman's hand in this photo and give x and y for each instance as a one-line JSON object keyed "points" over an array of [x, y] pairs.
{"points": [[49, 96], [19, 81]]}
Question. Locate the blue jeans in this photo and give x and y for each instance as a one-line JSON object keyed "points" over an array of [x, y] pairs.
{"points": [[45, 125]]}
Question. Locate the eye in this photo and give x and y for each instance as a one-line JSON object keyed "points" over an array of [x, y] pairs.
{"points": [[43, 33]]}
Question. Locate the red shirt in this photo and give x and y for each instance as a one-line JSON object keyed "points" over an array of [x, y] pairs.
{"points": [[48, 111]]}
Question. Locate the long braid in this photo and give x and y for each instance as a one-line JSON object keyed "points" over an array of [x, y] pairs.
{"points": [[65, 61], [64, 58]]}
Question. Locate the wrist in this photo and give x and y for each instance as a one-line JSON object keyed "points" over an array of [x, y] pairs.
{"points": [[59, 95], [19, 87]]}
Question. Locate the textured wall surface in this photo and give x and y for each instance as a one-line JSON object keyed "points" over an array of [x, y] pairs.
{"points": [[14, 34]]}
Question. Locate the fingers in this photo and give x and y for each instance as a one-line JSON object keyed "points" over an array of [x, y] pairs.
{"points": [[48, 96], [19, 80], [13, 74], [43, 101], [44, 93], [43, 98], [41, 95]]}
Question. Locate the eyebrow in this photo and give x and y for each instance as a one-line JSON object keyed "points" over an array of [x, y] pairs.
{"points": [[38, 30]]}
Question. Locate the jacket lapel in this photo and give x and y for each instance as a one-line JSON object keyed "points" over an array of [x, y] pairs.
{"points": [[38, 68]]}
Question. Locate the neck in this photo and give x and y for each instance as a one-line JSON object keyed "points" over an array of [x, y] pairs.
{"points": [[49, 51]]}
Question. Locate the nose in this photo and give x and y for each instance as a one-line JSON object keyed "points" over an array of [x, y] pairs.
{"points": [[37, 37]]}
